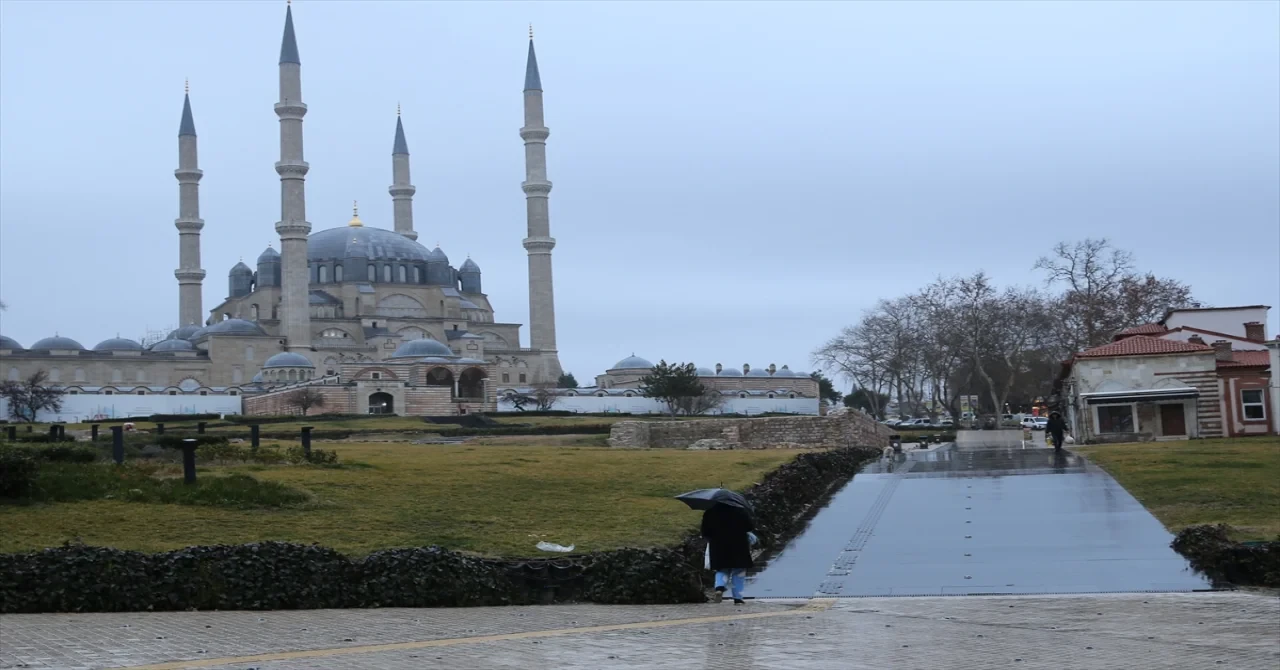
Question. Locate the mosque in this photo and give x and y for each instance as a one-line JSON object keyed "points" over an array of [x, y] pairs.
{"points": [[372, 318]]}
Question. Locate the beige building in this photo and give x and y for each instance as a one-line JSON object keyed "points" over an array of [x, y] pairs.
{"points": [[332, 307], [772, 380]]}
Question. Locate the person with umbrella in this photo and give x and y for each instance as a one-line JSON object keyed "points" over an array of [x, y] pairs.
{"points": [[727, 523]]}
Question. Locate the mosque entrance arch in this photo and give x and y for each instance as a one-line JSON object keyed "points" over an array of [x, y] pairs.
{"points": [[471, 383], [382, 403]]}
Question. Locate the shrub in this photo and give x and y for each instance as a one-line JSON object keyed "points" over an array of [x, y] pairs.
{"points": [[63, 453], [42, 438], [641, 577], [18, 470], [134, 482], [297, 455], [430, 577], [1211, 551]]}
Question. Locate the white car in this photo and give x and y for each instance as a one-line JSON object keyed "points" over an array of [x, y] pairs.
{"points": [[1029, 422], [1041, 423]]}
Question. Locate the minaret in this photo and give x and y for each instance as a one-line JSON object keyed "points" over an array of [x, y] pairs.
{"points": [[539, 243], [292, 227], [190, 276], [401, 190]]}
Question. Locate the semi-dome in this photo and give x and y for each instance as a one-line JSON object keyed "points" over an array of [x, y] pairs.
{"points": [[730, 372], [184, 333], [234, 327], [365, 242], [422, 348], [269, 255], [288, 359], [56, 342], [173, 345], [632, 362], [706, 372], [469, 266], [118, 344], [257, 379], [758, 372], [9, 343]]}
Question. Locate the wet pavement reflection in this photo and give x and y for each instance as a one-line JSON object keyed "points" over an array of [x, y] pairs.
{"points": [[980, 517]]}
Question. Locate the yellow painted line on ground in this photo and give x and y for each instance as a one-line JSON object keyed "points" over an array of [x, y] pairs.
{"points": [[814, 605]]}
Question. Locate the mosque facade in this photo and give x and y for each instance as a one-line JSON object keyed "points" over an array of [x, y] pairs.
{"points": [[377, 320]]}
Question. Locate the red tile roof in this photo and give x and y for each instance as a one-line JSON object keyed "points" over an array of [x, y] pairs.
{"points": [[1144, 329], [1142, 345], [1244, 358]]}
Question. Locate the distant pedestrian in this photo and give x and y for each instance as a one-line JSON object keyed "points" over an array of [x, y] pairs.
{"points": [[728, 532], [1056, 428]]}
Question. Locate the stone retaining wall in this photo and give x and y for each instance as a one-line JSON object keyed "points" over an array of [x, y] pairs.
{"points": [[842, 429]]}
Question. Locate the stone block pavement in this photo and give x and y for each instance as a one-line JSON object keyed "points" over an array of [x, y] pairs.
{"points": [[1190, 630]]}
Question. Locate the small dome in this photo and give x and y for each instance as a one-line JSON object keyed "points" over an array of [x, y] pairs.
{"points": [[469, 266], [287, 359], [706, 372], [421, 348], [118, 344], [800, 375], [269, 255], [632, 362], [56, 342], [759, 372], [9, 343], [241, 269], [184, 333], [437, 255], [234, 327], [784, 372], [257, 379], [730, 372], [173, 345], [364, 242]]}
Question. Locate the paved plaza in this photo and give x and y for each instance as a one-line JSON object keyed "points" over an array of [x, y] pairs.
{"points": [[1194, 631]]}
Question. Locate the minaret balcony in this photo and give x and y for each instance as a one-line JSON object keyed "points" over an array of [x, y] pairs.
{"points": [[189, 275], [292, 169], [538, 134], [293, 230], [536, 187], [188, 175], [291, 109], [188, 225], [539, 245], [402, 190]]}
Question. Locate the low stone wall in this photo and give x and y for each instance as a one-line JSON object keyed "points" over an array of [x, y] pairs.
{"points": [[843, 429]]}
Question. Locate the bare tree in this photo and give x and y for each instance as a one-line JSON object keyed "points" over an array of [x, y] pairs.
{"points": [[709, 400], [859, 355], [29, 396], [542, 397], [305, 398]]}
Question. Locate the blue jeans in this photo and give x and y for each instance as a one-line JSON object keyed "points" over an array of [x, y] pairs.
{"points": [[738, 576]]}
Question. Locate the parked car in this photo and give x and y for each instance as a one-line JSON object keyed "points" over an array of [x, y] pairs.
{"points": [[1042, 422], [922, 422], [1028, 422]]}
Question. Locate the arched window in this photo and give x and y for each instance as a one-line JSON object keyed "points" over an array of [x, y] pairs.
{"points": [[417, 275], [253, 312], [337, 273], [141, 375], [79, 374], [117, 375], [275, 312], [248, 353], [55, 375], [386, 273], [324, 274], [373, 273], [13, 374], [404, 275]]}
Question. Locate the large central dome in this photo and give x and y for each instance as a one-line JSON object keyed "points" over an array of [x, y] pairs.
{"points": [[337, 244]]}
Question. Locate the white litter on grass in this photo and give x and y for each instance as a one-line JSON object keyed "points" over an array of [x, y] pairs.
{"points": [[548, 546]]}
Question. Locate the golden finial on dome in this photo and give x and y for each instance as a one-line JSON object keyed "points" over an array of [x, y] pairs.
{"points": [[355, 215], [530, 31]]}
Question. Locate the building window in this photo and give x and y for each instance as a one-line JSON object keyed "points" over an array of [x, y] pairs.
{"points": [[204, 393], [1254, 408], [324, 275], [404, 276], [377, 375], [173, 393], [117, 375], [13, 374], [79, 374], [373, 273], [141, 375], [1115, 419], [108, 392], [333, 333], [386, 273], [506, 378], [55, 375], [417, 275], [142, 392], [253, 312], [234, 393], [523, 378], [337, 274], [73, 393]]}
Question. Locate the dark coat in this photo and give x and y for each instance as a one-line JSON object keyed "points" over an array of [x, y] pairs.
{"points": [[726, 531], [1056, 425]]}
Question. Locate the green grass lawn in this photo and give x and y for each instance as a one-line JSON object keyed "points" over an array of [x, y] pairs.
{"points": [[1236, 481], [496, 499]]}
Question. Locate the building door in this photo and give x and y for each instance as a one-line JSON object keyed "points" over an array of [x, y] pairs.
{"points": [[1172, 419], [382, 403]]}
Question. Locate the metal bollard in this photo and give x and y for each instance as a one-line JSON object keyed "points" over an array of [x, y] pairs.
{"points": [[117, 444], [93, 432], [253, 435], [200, 428], [159, 429], [189, 461], [306, 441], [13, 433], [53, 432], [29, 427]]}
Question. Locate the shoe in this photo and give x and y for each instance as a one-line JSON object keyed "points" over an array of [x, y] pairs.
{"points": [[739, 601], [718, 595]]}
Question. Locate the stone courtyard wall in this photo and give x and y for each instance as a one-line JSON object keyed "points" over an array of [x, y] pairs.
{"points": [[844, 429]]}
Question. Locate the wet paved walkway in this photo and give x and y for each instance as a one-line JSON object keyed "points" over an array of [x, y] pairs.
{"points": [[990, 515]]}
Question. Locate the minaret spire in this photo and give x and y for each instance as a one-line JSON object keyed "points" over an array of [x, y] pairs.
{"points": [[401, 190], [190, 276], [539, 243], [293, 227]]}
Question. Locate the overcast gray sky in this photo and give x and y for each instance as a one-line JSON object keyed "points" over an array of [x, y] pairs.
{"points": [[733, 181]]}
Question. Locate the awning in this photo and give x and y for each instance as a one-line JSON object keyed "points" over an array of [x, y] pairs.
{"points": [[1139, 395]]}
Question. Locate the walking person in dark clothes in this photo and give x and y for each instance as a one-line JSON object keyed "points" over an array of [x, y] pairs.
{"points": [[728, 532], [1056, 428]]}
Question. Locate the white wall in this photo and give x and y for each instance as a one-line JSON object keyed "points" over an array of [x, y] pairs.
{"points": [[639, 405], [1229, 321], [1237, 343], [1274, 346], [86, 407]]}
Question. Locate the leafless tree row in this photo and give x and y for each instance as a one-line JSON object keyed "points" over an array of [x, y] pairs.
{"points": [[966, 336]]}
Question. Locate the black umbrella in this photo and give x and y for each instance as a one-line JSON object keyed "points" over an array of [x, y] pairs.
{"points": [[708, 498]]}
